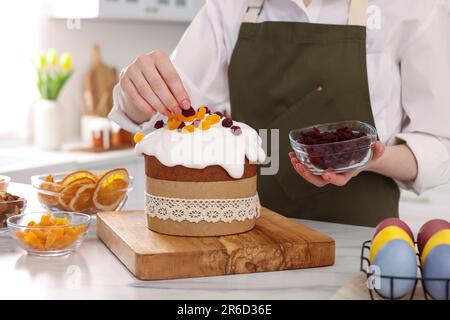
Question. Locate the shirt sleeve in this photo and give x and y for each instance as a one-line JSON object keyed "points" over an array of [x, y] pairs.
{"points": [[425, 72], [200, 59]]}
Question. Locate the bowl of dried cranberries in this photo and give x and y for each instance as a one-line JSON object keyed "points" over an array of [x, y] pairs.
{"points": [[338, 147]]}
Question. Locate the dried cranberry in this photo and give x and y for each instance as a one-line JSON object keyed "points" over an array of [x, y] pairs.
{"points": [[227, 123], [189, 112], [159, 124], [236, 130], [325, 154], [220, 114], [181, 126]]}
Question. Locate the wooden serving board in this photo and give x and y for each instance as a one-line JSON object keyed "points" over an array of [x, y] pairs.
{"points": [[276, 243]]}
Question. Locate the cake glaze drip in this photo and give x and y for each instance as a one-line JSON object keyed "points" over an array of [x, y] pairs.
{"points": [[200, 149]]}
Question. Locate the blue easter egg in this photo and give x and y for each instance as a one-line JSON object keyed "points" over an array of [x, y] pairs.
{"points": [[395, 259], [437, 266]]}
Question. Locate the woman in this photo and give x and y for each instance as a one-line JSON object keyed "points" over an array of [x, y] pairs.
{"points": [[287, 64]]}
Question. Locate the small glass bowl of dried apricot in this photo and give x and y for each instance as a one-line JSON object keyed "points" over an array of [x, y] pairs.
{"points": [[49, 233]]}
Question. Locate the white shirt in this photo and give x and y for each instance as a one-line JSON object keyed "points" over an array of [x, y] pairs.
{"points": [[408, 61]]}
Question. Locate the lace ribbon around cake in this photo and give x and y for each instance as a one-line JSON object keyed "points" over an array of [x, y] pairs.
{"points": [[196, 210]]}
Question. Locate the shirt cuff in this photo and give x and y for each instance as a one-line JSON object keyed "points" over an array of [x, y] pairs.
{"points": [[118, 116], [433, 161]]}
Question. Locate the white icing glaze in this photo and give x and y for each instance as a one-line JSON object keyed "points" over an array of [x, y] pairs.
{"points": [[200, 149]]}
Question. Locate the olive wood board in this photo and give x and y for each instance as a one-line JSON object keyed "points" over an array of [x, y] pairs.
{"points": [[276, 243]]}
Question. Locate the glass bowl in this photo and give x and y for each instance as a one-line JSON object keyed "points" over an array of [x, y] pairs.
{"points": [[49, 240], [55, 196], [338, 157], [10, 208], [4, 182]]}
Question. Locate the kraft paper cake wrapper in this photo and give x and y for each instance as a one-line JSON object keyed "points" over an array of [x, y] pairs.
{"points": [[204, 190], [243, 188]]}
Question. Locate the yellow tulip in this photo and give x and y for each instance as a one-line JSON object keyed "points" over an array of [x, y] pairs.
{"points": [[39, 61], [52, 57], [65, 61]]}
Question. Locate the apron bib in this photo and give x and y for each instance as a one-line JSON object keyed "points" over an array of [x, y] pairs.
{"points": [[288, 75]]}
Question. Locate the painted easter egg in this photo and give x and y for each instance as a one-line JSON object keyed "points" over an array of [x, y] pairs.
{"points": [[393, 222], [396, 258], [441, 237], [428, 230], [438, 267], [386, 235]]}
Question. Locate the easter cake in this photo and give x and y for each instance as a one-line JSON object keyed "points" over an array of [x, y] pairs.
{"points": [[201, 171]]}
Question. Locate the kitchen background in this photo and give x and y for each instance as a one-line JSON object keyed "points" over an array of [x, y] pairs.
{"points": [[122, 29]]}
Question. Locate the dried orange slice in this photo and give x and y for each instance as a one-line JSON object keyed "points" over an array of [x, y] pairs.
{"points": [[82, 201], [111, 189], [51, 186], [77, 175], [69, 192]]}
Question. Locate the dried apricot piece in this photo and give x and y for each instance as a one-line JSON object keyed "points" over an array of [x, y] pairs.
{"points": [[138, 137], [189, 129], [205, 125], [188, 119], [79, 230], [173, 124], [201, 113], [45, 220], [213, 119], [50, 240]]}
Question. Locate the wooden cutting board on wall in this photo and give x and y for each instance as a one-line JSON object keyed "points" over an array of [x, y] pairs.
{"points": [[276, 243], [99, 82]]}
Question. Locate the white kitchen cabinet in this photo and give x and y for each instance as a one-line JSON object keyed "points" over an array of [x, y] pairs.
{"points": [[141, 10]]}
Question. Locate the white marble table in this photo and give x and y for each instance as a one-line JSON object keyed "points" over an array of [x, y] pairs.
{"points": [[93, 272]]}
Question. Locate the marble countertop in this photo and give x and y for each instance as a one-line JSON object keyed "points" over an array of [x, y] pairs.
{"points": [[93, 272]]}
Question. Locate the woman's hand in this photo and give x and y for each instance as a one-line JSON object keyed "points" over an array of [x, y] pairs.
{"points": [[340, 179], [150, 85]]}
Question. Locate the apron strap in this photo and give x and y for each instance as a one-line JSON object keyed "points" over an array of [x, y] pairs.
{"points": [[357, 15], [254, 8], [358, 12]]}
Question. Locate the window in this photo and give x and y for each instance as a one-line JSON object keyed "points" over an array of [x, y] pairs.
{"points": [[19, 30]]}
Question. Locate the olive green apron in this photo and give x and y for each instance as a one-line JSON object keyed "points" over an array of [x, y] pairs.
{"points": [[287, 75]]}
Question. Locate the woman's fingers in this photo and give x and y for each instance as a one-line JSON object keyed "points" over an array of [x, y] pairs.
{"points": [[145, 90], [337, 179], [162, 91], [147, 65], [340, 179], [134, 97], [305, 174], [152, 85], [171, 78], [378, 150]]}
